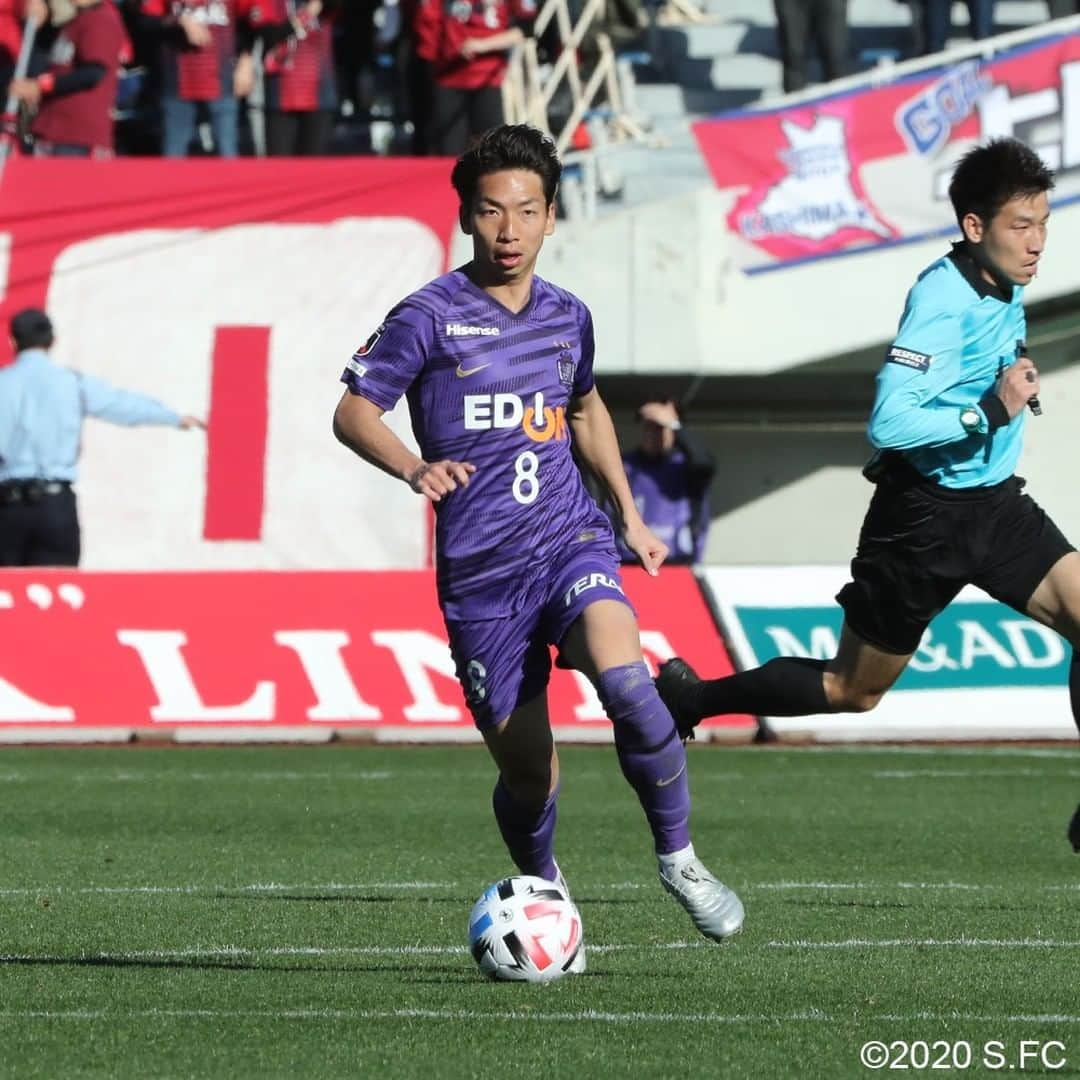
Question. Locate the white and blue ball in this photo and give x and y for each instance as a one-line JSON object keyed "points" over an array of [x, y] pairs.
{"points": [[524, 929]]}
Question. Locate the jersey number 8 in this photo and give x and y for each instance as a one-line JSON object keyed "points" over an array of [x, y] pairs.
{"points": [[526, 482]]}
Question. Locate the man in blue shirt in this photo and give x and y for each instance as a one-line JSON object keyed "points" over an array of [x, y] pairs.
{"points": [[947, 425], [42, 406]]}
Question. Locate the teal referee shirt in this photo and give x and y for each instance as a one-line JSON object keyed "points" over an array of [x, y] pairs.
{"points": [[957, 335]]}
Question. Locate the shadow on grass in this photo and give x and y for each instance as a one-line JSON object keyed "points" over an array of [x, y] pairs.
{"points": [[419, 974]]}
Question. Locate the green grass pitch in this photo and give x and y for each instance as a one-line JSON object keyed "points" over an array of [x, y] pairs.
{"points": [[300, 912]]}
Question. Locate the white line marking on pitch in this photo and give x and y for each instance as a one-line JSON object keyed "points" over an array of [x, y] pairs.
{"points": [[929, 943], [271, 887], [957, 885], [813, 1016], [1066, 751], [238, 952], [210, 890], [971, 774], [150, 777]]}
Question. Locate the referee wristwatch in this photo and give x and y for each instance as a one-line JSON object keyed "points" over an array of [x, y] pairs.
{"points": [[971, 420]]}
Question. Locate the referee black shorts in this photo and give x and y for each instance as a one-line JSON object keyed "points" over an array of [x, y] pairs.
{"points": [[921, 543]]}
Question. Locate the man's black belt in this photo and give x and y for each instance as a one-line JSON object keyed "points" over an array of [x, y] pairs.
{"points": [[19, 491]]}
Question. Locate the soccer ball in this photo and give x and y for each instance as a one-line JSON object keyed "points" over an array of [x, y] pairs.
{"points": [[524, 929]]}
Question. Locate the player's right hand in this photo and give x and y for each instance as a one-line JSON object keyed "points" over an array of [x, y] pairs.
{"points": [[1017, 385], [434, 479]]}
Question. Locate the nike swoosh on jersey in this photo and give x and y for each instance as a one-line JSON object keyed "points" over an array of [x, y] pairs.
{"points": [[463, 373]]}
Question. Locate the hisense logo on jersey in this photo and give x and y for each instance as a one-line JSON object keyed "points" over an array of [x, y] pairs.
{"points": [[456, 329]]}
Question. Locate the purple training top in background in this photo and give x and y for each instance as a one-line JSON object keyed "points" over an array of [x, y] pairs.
{"points": [[491, 387], [669, 496]]}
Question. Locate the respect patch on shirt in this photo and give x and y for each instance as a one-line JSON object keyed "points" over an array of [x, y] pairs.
{"points": [[908, 358]]}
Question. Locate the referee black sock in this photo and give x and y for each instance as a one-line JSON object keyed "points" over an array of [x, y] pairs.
{"points": [[785, 686], [1074, 689], [1074, 700]]}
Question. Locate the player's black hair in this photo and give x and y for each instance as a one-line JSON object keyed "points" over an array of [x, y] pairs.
{"points": [[31, 329], [987, 177], [509, 146]]}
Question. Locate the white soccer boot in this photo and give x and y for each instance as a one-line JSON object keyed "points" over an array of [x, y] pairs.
{"points": [[717, 912], [577, 966]]}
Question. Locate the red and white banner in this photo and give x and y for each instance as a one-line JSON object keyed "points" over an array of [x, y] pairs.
{"points": [[237, 291], [871, 166], [280, 650]]}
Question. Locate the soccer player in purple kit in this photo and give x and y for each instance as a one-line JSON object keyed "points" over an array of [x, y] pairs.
{"points": [[497, 368]]}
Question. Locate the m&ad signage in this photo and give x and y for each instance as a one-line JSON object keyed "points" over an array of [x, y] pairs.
{"points": [[981, 670], [969, 645]]}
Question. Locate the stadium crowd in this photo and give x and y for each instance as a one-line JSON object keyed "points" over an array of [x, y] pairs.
{"points": [[175, 77], [138, 76], [329, 76]]}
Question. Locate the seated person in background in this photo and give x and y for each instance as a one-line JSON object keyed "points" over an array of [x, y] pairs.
{"points": [[670, 473]]}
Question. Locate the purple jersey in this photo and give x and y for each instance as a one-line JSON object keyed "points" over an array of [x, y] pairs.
{"points": [[491, 387]]}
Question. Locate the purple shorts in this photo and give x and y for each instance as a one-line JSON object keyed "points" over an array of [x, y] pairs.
{"points": [[504, 662]]}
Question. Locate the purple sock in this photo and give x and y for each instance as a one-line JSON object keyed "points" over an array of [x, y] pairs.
{"points": [[529, 834], [650, 752]]}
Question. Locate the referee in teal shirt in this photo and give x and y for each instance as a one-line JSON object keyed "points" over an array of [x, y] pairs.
{"points": [[953, 398], [42, 407]]}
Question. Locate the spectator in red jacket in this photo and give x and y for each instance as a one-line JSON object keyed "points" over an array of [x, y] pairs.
{"points": [[299, 87], [200, 70], [12, 14], [74, 97], [469, 43]]}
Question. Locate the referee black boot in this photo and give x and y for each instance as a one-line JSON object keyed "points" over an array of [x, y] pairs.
{"points": [[1074, 831], [675, 682]]}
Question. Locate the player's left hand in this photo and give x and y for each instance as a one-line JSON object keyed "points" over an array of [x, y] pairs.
{"points": [[187, 423], [434, 479], [650, 549], [1017, 384]]}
